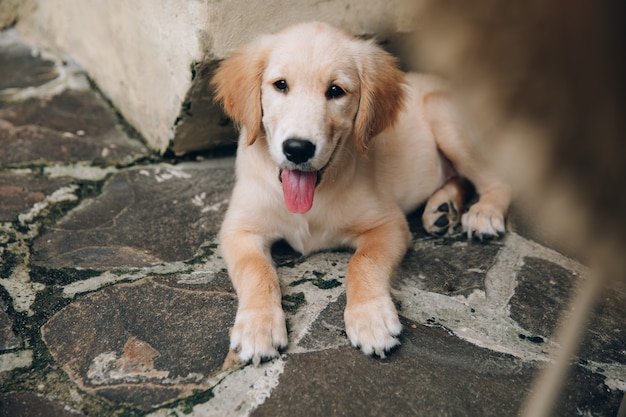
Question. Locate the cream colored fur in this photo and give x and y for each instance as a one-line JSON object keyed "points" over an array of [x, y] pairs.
{"points": [[383, 148]]}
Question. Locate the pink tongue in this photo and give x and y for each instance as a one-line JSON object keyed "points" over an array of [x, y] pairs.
{"points": [[298, 189]]}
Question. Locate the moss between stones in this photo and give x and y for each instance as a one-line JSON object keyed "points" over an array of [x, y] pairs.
{"points": [[85, 189], [318, 281], [292, 302], [193, 68], [203, 253], [532, 339], [8, 261], [62, 276], [186, 404], [325, 284], [300, 281], [44, 375]]}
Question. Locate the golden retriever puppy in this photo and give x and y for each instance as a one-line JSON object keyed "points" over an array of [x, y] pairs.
{"points": [[336, 146]]}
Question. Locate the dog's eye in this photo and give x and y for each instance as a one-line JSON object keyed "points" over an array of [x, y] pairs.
{"points": [[334, 92], [281, 85]]}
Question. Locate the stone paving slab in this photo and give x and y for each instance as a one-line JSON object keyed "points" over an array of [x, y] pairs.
{"points": [[8, 339], [20, 192], [433, 373], [23, 66], [144, 216], [121, 340], [22, 404], [115, 301], [48, 112], [451, 267], [543, 289], [72, 126]]}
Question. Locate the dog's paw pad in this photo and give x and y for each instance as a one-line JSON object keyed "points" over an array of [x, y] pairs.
{"points": [[444, 208], [442, 219]]}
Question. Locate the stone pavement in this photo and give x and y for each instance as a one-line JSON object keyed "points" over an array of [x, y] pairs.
{"points": [[114, 300]]}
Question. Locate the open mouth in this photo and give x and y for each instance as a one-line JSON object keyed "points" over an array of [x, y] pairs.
{"points": [[299, 188], [299, 185]]}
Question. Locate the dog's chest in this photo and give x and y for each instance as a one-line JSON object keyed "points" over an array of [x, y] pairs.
{"points": [[306, 236]]}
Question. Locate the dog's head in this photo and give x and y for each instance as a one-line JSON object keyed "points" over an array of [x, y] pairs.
{"points": [[309, 90]]}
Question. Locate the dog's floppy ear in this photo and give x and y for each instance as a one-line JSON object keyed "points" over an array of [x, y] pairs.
{"points": [[382, 93], [237, 84]]}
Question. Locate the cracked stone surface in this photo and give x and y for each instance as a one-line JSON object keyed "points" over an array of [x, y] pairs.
{"points": [[114, 299], [542, 291], [19, 404], [177, 208], [72, 126], [473, 381], [450, 268], [27, 67], [605, 337], [8, 339], [119, 340], [21, 192]]}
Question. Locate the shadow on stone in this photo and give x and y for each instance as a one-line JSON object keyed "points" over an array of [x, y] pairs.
{"points": [[202, 124]]}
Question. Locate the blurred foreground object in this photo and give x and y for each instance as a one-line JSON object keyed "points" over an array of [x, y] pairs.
{"points": [[542, 83]]}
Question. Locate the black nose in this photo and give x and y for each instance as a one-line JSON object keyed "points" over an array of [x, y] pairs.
{"points": [[298, 150]]}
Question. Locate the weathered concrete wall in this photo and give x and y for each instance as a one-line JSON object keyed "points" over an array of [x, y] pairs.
{"points": [[152, 59]]}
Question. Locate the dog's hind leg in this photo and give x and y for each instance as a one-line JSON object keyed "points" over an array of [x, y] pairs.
{"points": [[485, 218], [442, 213]]}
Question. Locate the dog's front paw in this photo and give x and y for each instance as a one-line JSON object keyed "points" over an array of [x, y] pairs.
{"points": [[258, 333], [373, 325], [483, 221]]}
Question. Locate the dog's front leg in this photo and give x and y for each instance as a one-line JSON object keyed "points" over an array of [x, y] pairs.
{"points": [[259, 329], [371, 318]]}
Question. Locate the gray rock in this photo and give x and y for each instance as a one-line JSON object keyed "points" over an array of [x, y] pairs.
{"points": [[543, 289], [605, 338], [19, 193], [143, 217], [143, 344], [21, 67], [431, 374], [8, 339], [450, 267], [72, 126], [28, 404]]}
